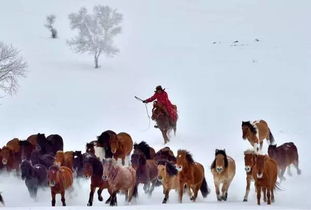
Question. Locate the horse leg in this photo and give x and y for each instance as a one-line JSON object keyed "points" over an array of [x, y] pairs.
{"points": [[90, 203], [217, 191], [224, 190], [164, 131], [181, 191], [152, 186], [195, 191], [289, 173], [264, 191], [63, 198], [113, 201], [268, 196], [166, 194], [99, 193], [53, 198], [248, 183], [123, 161], [281, 174], [296, 164], [272, 196], [258, 194], [147, 187]]}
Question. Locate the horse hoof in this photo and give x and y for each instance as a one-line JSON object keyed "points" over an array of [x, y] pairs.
{"points": [[100, 198], [244, 200], [89, 204]]}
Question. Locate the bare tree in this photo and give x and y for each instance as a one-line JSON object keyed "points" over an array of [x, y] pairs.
{"points": [[96, 31], [49, 25], [12, 66]]}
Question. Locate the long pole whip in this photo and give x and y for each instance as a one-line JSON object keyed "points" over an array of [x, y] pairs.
{"points": [[146, 111]]}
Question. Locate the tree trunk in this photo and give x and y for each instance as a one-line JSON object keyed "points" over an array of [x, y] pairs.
{"points": [[96, 61]]}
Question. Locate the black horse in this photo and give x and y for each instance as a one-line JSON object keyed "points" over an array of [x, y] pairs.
{"points": [[51, 144], [45, 159], [78, 163], [35, 176]]}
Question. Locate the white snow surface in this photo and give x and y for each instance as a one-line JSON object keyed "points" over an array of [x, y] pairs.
{"points": [[186, 46]]}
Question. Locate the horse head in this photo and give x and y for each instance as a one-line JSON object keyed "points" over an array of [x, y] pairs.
{"points": [[249, 160], [221, 161], [260, 165], [59, 158], [138, 160], [53, 175], [26, 169], [6, 154], [184, 158]]}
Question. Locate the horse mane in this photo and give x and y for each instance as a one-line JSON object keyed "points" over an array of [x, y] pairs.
{"points": [[170, 168], [141, 157], [249, 151], [250, 126], [188, 156], [144, 147], [105, 137], [220, 152]]}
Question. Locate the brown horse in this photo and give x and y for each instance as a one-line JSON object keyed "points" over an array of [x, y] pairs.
{"points": [[169, 177], [10, 160], [145, 149], [165, 154], [223, 170], [249, 161], [92, 167], [14, 145], [191, 174], [164, 123], [256, 132], [121, 146], [285, 155], [60, 179], [265, 175], [146, 171], [119, 179]]}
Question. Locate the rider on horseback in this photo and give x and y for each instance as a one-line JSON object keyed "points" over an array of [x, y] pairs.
{"points": [[162, 101]]}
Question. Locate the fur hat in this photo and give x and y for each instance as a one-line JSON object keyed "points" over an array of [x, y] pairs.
{"points": [[159, 87]]}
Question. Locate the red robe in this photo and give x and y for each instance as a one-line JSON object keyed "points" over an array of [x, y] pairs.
{"points": [[162, 98]]}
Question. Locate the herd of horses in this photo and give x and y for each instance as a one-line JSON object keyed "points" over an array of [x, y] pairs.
{"points": [[115, 163]]}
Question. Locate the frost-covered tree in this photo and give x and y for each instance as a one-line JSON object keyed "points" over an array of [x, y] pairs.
{"points": [[12, 66], [50, 20], [96, 31]]}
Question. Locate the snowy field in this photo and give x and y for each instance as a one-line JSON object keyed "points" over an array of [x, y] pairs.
{"points": [[189, 48]]}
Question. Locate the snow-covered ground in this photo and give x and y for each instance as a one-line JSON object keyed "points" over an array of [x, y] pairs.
{"points": [[187, 47]]}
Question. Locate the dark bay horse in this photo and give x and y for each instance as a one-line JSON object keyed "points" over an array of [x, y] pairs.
{"points": [[120, 179], [35, 176], [92, 167], [78, 163], [165, 154], [285, 155], [59, 179], [223, 170], [191, 174], [45, 159], [146, 171], [145, 149], [104, 141], [256, 132], [164, 123], [51, 144]]}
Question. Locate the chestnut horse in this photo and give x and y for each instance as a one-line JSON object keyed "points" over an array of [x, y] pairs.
{"points": [[92, 167], [165, 154], [191, 174], [285, 155], [146, 171], [256, 132], [121, 146], [10, 160], [64, 159], [60, 179], [223, 170], [249, 161], [169, 177], [265, 175], [119, 179], [164, 123]]}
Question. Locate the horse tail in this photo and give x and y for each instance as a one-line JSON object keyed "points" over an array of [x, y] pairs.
{"points": [[135, 191], [271, 138], [204, 188], [1, 199]]}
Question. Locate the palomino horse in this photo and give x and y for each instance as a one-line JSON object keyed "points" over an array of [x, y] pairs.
{"points": [[168, 176], [121, 146], [35, 176], [285, 155], [164, 123], [119, 179], [265, 175], [60, 179], [191, 174], [223, 170], [92, 167], [165, 154], [146, 171], [64, 159], [256, 132], [145, 149]]}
